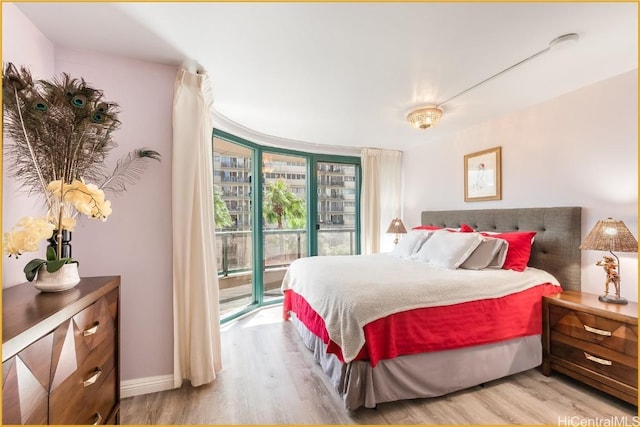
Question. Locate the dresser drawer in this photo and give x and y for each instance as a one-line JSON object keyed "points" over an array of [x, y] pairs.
{"points": [[95, 323], [52, 343], [24, 400], [99, 402], [25, 384], [603, 332], [68, 399]]}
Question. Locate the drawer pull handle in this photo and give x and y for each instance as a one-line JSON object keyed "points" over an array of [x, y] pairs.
{"points": [[98, 419], [597, 331], [92, 330], [597, 359], [93, 378]]}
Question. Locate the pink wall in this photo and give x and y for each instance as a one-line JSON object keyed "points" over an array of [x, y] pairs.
{"points": [[580, 149], [135, 242], [22, 44]]}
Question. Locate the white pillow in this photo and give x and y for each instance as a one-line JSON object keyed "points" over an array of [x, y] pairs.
{"points": [[491, 253], [448, 250], [411, 243]]}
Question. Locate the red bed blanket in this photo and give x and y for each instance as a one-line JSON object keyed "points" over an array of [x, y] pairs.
{"points": [[436, 328]]}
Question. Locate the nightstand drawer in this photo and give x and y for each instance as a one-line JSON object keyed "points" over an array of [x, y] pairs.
{"points": [[592, 341], [613, 365], [606, 333]]}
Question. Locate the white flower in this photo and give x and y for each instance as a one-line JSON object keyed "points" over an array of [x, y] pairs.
{"points": [[26, 239], [86, 199]]}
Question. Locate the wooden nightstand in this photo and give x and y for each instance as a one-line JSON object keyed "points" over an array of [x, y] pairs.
{"points": [[591, 341]]}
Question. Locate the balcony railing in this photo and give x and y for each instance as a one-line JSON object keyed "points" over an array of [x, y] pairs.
{"points": [[281, 247]]}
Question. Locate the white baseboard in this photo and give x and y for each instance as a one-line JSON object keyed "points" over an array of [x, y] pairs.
{"points": [[138, 386]]}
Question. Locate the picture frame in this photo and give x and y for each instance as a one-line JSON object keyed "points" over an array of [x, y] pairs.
{"points": [[483, 175]]}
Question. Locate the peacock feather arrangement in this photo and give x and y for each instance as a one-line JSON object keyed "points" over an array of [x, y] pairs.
{"points": [[63, 130], [58, 134]]}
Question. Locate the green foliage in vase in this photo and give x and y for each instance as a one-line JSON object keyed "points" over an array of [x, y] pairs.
{"points": [[52, 262]]}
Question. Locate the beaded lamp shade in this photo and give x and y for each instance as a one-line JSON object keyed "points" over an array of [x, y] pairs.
{"points": [[610, 235], [425, 118]]}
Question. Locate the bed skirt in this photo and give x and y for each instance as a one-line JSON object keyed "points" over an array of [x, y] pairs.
{"points": [[421, 375]]}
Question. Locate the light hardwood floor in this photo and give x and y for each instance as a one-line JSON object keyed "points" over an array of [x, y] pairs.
{"points": [[269, 377]]}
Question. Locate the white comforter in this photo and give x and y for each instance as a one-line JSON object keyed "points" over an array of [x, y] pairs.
{"points": [[350, 291]]}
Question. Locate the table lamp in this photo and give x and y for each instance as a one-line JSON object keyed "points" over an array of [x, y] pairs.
{"points": [[611, 235], [396, 227]]}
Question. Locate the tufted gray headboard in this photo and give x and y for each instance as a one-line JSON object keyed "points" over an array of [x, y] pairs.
{"points": [[555, 248]]}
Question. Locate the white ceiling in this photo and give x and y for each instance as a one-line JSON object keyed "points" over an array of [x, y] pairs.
{"points": [[347, 73]]}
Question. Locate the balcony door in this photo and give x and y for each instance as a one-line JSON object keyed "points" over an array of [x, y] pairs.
{"points": [[273, 206], [284, 217], [233, 210]]}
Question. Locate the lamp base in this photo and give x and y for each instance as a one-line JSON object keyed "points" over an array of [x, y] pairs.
{"points": [[613, 300]]}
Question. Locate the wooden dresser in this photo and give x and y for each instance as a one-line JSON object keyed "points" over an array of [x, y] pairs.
{"points": [[593, 342], [60, 354]]}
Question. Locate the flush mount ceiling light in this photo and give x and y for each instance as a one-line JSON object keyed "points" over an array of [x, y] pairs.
{"points": [[429, 116], [425, 117]]}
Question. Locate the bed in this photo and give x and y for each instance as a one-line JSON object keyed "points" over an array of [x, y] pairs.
{"points": [[421, 338]]}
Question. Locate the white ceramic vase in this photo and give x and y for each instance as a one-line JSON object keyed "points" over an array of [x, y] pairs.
{"points": [[65, 278]]}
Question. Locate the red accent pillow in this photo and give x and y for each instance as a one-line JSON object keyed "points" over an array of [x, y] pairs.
{"points": [[426, 227], [464, 228], [519, 250]]}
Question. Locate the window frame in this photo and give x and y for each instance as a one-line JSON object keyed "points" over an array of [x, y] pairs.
{"points": [[257, 240]]}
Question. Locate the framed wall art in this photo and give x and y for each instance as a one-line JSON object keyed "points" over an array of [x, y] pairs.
{"points": [[483, 175]]}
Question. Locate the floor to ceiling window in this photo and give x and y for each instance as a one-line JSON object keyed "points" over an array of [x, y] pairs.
{"points": [[284, 213], [273, 206], [337, 200], [232, 166]]}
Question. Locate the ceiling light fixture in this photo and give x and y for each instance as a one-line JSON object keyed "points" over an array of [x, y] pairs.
{"points": [[428, 117], [425, 117]]}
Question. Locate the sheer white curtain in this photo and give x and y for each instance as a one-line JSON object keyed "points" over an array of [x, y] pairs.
{"points": [[381, 197], [196, 326]]}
